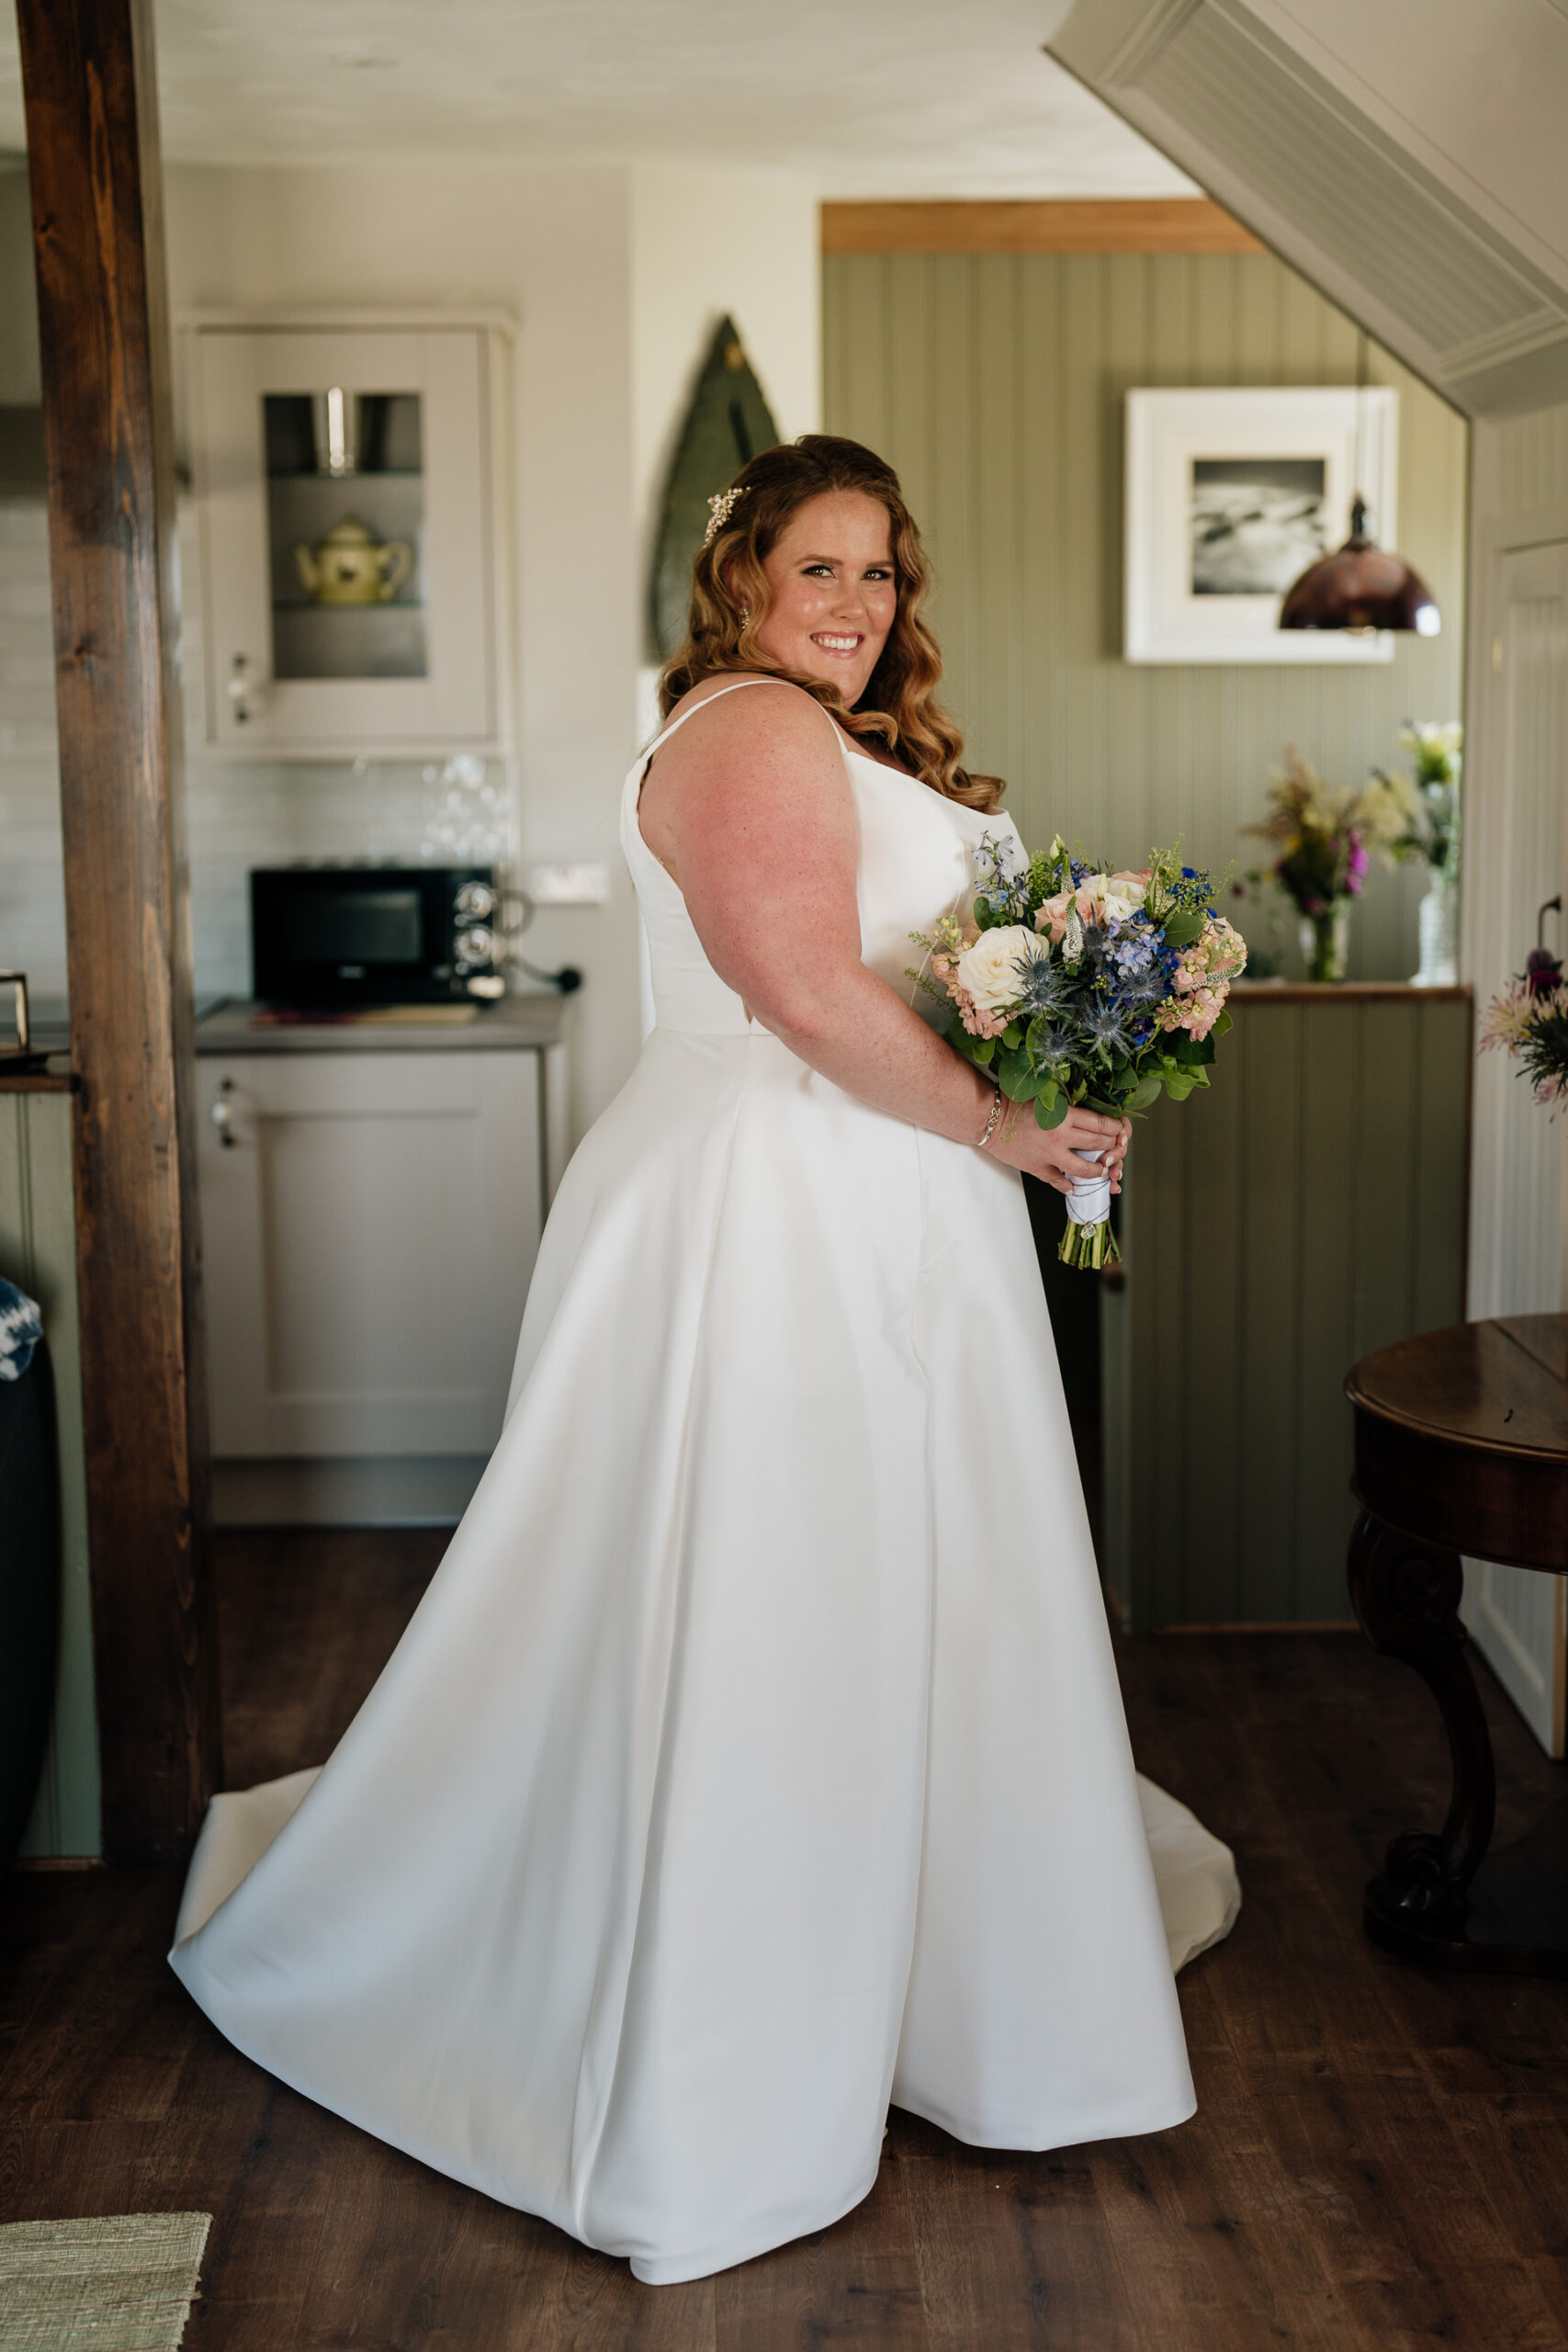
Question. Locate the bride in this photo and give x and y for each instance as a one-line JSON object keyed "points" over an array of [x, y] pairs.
{"points": [[755, 1757]]}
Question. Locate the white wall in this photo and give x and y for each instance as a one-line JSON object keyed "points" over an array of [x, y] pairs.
{"points": [[615, 278], [1515, 842], [1515, 856], [706, 243], [549, 247]]}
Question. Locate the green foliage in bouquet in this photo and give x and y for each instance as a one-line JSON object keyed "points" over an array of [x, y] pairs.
{"points": [[1074, 985]]}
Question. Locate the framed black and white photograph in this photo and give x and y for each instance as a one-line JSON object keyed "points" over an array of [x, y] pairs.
{"points": [[1230, 496]]}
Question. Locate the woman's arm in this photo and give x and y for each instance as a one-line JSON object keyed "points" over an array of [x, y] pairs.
{"points": [[750, 810]]}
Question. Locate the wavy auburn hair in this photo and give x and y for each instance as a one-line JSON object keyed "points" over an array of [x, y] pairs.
{"points": [[899, 702]]}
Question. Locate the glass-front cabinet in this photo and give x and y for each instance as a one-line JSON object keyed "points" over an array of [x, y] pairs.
{"points": [[351, 589]]}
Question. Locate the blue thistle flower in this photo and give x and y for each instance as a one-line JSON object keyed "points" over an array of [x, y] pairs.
{"points": [[1046, 986], [1104, 1025]]}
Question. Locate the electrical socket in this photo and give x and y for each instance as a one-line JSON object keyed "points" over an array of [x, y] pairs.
{"points": [[569, 885]]}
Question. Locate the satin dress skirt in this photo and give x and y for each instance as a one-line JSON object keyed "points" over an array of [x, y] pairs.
{"points": [[755, 1757]]}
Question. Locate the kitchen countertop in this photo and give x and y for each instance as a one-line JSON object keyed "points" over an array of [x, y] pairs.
{"points": [[516, 1024]]}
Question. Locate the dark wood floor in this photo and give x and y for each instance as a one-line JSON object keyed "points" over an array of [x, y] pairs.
{"points": [[1380, 2160]]}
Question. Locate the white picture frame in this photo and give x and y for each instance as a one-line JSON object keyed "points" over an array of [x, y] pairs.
{"points": [[1229, 495]]}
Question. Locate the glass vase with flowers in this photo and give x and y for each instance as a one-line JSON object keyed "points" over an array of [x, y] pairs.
{"points": [[1326, 836], [1430, 835]]}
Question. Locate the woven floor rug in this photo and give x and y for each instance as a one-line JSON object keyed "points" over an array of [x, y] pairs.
{"points": [[121, 2284]]}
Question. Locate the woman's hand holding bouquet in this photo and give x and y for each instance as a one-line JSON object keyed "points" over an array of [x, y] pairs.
{"points": [[1076, 986]]}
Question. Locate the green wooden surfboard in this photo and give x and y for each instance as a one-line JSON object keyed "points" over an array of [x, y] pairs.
{"points": [[729, 422]]}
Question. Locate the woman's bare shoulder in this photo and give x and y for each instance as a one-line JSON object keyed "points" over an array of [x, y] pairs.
{"points": [[771, 706], [771, 723]]}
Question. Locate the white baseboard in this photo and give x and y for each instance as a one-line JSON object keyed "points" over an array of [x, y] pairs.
{"points": [[407, 1490]]}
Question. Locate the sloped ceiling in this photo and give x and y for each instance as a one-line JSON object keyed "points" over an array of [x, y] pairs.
{"points": [[1408, 156]]}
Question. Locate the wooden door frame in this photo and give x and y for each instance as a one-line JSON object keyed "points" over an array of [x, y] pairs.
{"points": [[89, 90]]}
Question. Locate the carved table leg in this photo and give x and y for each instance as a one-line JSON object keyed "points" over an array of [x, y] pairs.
{"points": [[1406, 1595]]}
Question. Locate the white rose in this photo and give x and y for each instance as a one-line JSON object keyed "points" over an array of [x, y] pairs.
{"points": [[990, 969], [1119, 896]]}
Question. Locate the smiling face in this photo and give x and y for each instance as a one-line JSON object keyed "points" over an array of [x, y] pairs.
{"points": [[834, 591]]}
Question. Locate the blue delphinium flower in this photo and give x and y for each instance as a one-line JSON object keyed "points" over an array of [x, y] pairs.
{"points": [[1132, 946], [1003, 884]]}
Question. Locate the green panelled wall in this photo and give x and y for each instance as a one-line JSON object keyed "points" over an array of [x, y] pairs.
{"points": [[1306, 1209], [38, 1251], [994, 383]]}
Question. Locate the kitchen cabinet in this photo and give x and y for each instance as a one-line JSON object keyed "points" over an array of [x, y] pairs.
{"points": [[370, 1220], [349, 493]]}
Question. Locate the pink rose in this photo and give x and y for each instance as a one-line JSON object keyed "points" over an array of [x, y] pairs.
{"points": [[1052, 916]]}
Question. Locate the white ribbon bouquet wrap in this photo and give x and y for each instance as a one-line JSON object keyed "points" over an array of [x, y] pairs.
{"points": [[1088, 1203], [1075, 986]]}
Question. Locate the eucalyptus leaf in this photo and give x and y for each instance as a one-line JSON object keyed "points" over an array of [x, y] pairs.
{"points": [[1183, 927]]}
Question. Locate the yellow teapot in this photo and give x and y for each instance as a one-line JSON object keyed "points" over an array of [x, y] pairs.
{"points": [[352, 566]]}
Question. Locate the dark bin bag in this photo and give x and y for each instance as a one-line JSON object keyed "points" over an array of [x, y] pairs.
{"points": [[29, 1567]]}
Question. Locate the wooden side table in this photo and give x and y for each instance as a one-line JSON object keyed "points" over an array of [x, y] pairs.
{"points": [[1462, 1445]]}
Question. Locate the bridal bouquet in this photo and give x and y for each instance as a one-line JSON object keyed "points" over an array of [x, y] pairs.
{"points": [[1072, 985]]}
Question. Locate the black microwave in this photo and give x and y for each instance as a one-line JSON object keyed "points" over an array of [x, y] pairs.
{"points": [[327, 936]]}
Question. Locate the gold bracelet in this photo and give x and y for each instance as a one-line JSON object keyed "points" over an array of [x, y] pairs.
{"points": [[997, 1108]]}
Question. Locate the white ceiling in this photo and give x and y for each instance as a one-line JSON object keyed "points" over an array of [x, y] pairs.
{"points": [[879, 98]]}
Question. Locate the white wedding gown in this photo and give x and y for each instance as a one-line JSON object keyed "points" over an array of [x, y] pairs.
{"points": [[755, 1757]]}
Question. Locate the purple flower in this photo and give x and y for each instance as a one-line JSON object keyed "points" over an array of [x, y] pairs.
{"points": [[1543, 971]]}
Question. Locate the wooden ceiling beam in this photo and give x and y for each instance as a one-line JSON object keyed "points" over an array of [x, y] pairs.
{"points": [[1122, 225], [90, 96]]}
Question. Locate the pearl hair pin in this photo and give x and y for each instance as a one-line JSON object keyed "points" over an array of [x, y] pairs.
{"points": [[721, 505]]}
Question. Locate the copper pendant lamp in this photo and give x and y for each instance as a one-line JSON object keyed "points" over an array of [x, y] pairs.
{"points": [[1359, 586]]}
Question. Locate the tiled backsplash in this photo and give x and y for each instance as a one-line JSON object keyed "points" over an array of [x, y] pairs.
{"points": [[267, 813], [239, 814]]}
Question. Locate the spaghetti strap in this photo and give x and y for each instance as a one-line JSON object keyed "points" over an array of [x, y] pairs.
{"points": [[676, 724]]}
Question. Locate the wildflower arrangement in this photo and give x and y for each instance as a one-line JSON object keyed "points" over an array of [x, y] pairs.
{"points": [[1529, 1021], [1429, 800], [1073, 985], [1326, 834]]}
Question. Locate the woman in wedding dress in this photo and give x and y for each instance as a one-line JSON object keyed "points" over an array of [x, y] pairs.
{"points": [[755, 1757]]}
